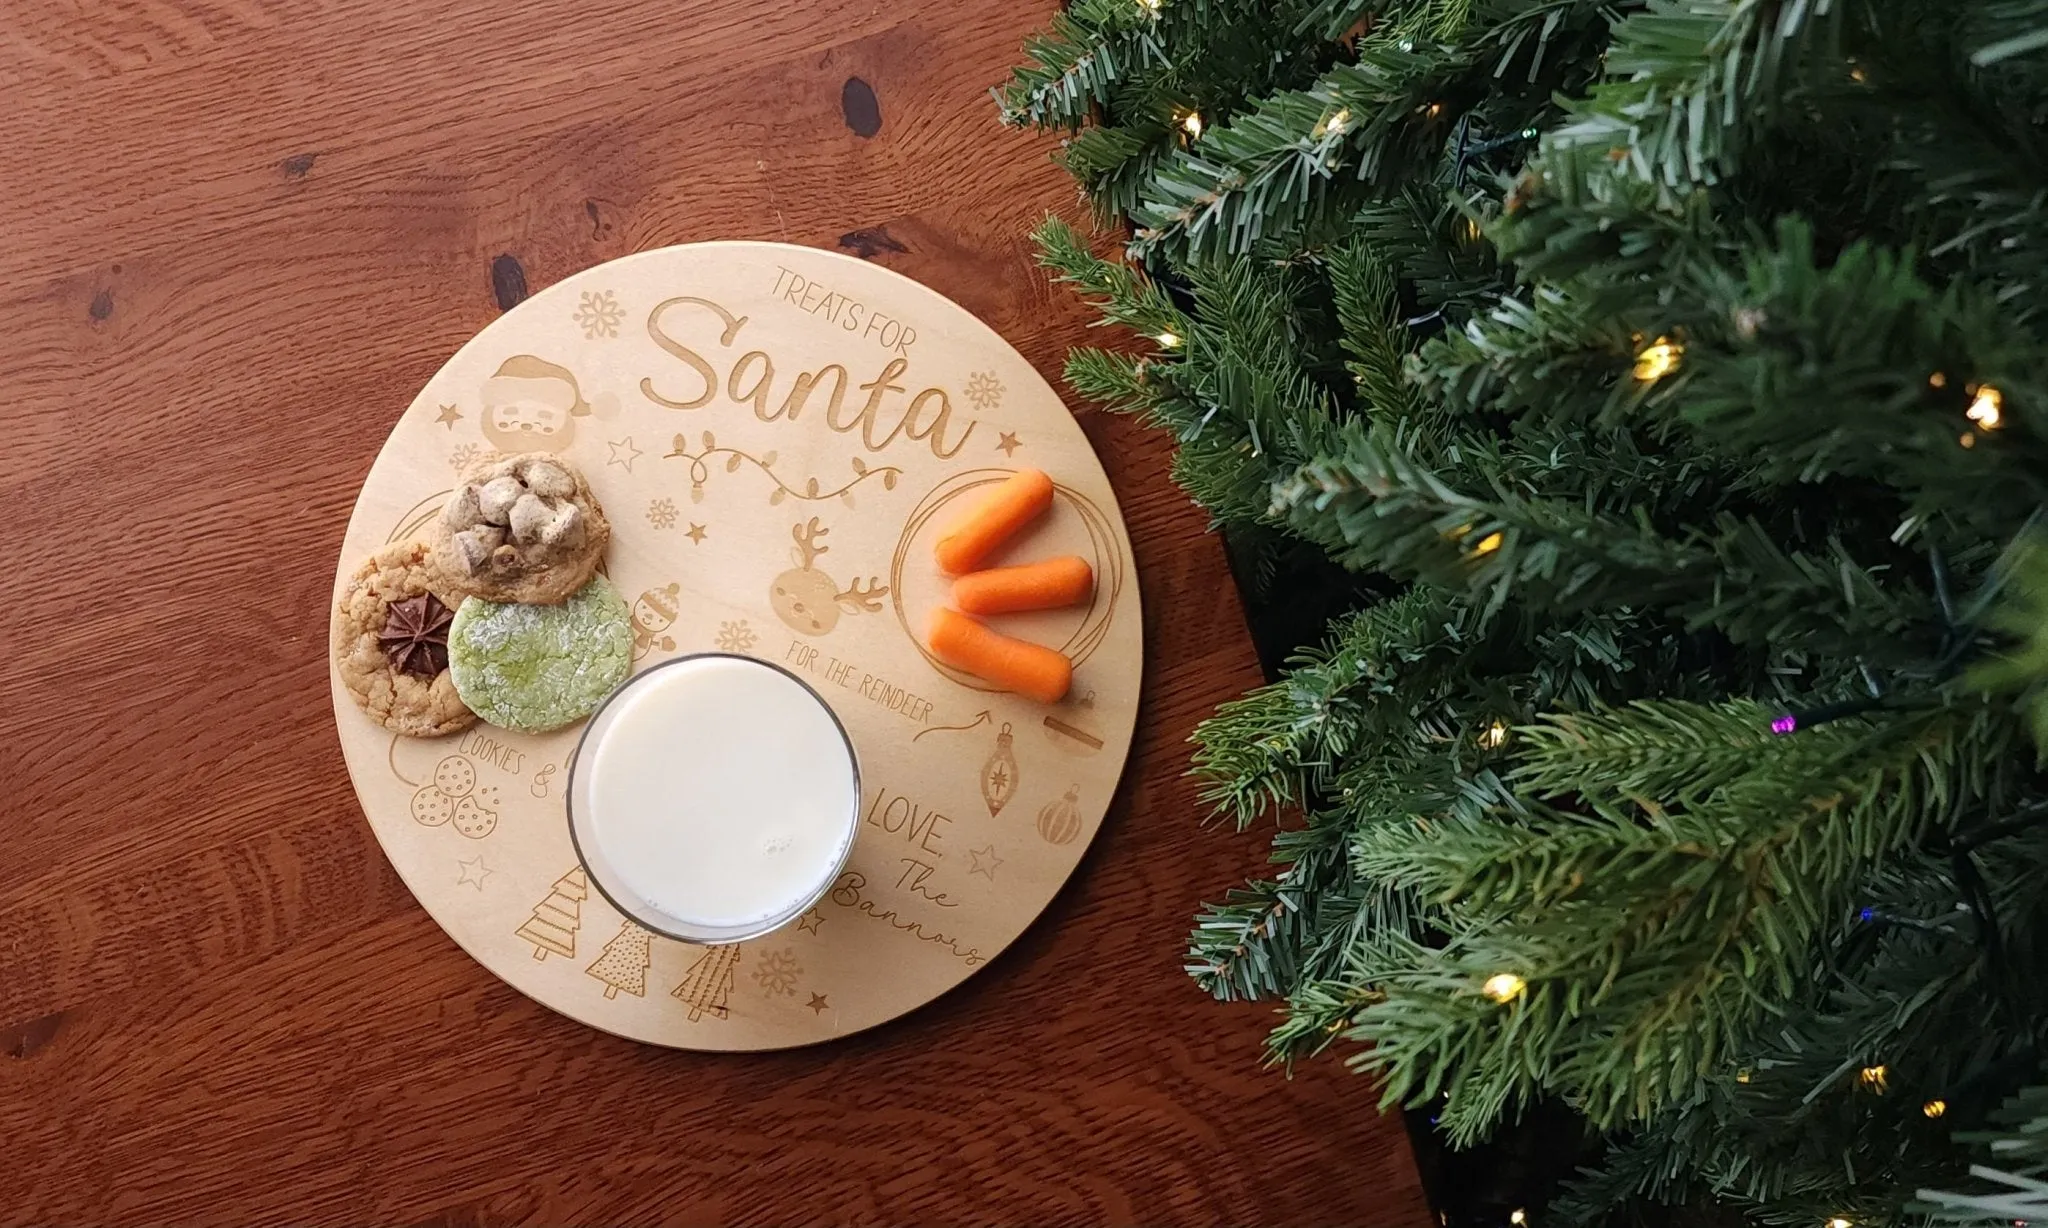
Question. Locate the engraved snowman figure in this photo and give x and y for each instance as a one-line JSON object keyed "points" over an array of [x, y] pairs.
{"points": [[654, 612], [810, 601]]}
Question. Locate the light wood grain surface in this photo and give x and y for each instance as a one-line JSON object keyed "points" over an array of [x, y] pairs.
{"points": [[238, 235]]}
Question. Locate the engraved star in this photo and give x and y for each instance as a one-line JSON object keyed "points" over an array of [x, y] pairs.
{"points": [[623, 453], [449, 416], [696, 533], [474, 872], [818, 1004], [983, 862], [1008, 444], [810, 921]]}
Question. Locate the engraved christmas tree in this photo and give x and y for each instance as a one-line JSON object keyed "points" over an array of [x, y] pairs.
{"points": [[552, 927], [624, 962], [709, 982]]}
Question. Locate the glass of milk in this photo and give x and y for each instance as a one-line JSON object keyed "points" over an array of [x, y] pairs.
{"points": [[714, 798]]}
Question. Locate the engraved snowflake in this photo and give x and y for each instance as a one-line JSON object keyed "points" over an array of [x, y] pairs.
{"points": [[735, 636], [778, 972], [599, 313], [661, 513], [984, 390], [466, 454]]}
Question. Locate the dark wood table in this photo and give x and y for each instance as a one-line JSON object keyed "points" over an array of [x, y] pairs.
{"points": [[238, 235]]}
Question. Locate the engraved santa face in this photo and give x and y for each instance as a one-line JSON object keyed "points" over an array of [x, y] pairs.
{"points": [[527, 426], [531, 405]]}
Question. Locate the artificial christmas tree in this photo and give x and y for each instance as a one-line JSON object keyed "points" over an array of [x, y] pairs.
{"points": [[1668, 372]]}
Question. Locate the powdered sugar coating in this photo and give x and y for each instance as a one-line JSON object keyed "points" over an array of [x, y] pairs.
{"points": [[533, 668]]}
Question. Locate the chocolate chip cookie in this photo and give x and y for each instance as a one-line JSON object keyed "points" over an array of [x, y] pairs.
{"points": [[521, 529]]}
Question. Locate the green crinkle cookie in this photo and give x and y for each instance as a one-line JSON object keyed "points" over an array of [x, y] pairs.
{"points": [[539, 667]]}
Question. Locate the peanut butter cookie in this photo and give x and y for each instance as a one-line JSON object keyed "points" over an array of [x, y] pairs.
{"points": [[521, 529], [389, 639]]}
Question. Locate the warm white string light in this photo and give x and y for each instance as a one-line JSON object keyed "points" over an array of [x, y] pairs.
{"points": [[1504, 987]]}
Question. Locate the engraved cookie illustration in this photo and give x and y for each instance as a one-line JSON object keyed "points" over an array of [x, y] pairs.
{"points": [[531, 405], [472, 819], [810, 601], [519, 528], [431, 807], [452, 797], [455, 776]]}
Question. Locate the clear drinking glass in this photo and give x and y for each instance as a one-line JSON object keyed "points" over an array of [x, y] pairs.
{"points": [[712, 776]]}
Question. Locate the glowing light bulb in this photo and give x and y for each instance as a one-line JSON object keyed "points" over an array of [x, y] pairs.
{"points": [[1658, 359], [1487, 545], [1504, 987], [1337, 122], [1934, 1108], [1151, 6], [1987, 409], [1495, 737], [1191, 123], [1168, 340], [1937, 380], [1873, 1077], [1744, 1076], [1433, 110], [1839, 1222], [1471, 230], [1518, 1217]]}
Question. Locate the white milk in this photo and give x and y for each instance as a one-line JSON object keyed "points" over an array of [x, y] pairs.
{"points": [[713, 798]]}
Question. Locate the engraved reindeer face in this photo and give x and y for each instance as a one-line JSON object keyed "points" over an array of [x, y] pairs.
{"points": [[811, 602]]}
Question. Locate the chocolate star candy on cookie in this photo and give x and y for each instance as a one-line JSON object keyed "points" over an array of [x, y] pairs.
{"points": [[521, 529], [415, 635]]}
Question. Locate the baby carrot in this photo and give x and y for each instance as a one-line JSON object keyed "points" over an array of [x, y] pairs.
{"points": [[1014, 503], [1027, 669], [1034, 586]]}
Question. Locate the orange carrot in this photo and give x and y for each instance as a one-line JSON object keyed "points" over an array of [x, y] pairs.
{"points": [[1014, 503], [1027, 669], [1034, 586]]}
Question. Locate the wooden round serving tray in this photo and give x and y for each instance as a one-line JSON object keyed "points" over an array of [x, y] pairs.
{"points": [[778, 435]]}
